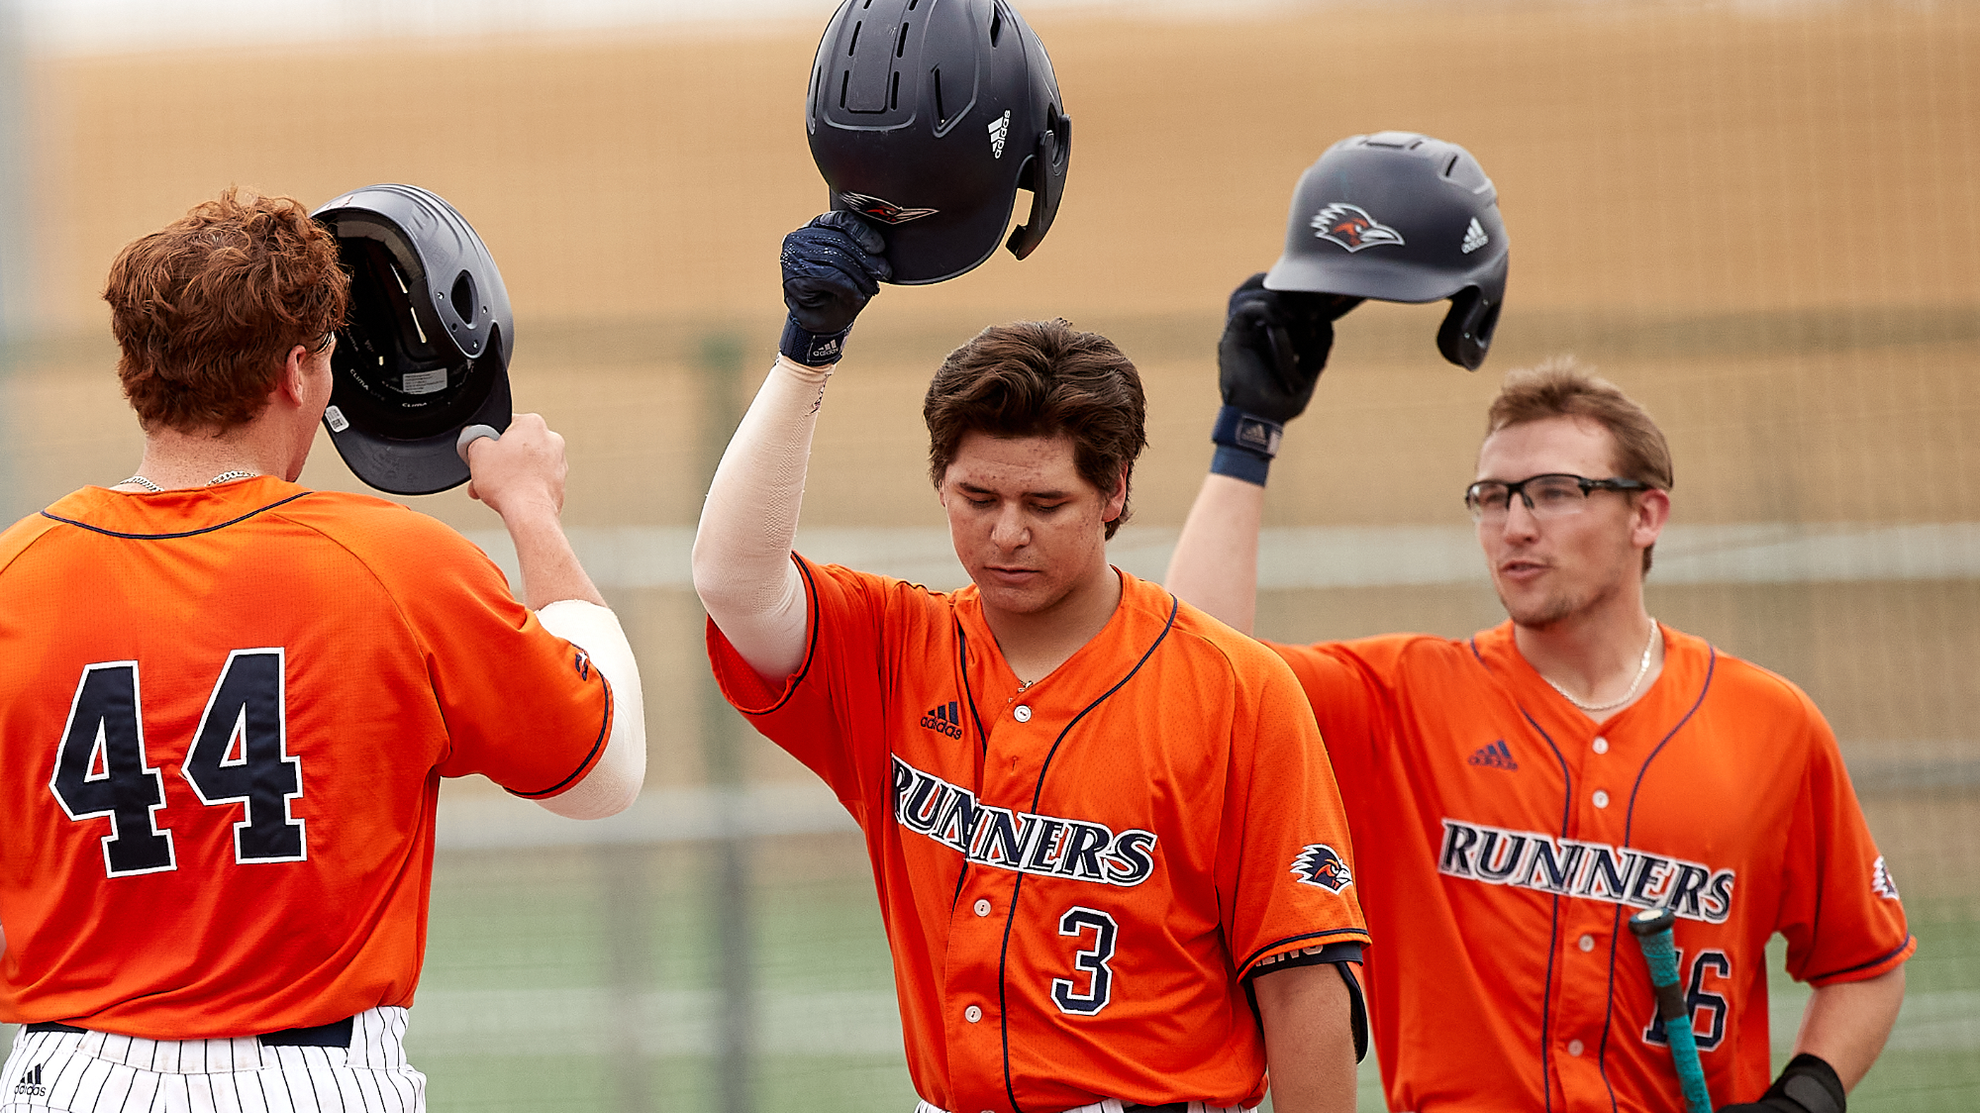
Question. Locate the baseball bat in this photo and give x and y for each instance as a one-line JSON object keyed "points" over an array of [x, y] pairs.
{"points": [[1653, 933]]}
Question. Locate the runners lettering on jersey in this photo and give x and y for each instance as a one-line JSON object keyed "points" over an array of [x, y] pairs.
{"points": [[1048, 846], [1588, 870]]}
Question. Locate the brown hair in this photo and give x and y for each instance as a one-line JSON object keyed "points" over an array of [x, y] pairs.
{"points": [[207, 310], [1041, 379], [1561, 387]]}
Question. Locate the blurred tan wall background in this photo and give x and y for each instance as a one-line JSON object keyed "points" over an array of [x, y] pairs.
{"points": [[1760, 218]]}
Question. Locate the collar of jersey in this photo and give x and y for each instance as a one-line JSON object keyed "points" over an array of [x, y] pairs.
{"points": [[177, 513], [1684, 657], [1136, 595]]}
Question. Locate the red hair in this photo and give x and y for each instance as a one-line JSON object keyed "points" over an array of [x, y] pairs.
{"points": [[207, 310]]}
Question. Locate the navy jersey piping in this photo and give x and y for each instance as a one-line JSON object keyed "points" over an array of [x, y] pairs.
{"points": [[585, 766], [1879, 960], [1010, 915], [810, 645], [1554, 916], [1629, 825], [174, 536], [982, 736]]}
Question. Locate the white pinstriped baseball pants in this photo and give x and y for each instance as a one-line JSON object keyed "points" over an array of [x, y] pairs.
{"points": [[93, 1072]]}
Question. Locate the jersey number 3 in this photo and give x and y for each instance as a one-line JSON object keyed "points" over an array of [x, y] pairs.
{"points": [[1093, 961], [239, 755]]}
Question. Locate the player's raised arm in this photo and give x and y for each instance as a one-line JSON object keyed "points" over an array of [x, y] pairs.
{"points": [[1274, 347], [742, 550], [520, 476]]}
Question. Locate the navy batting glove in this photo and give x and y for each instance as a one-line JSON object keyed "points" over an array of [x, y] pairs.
{"points": [[832, 267], [1808, 1084], [1274, 347]]}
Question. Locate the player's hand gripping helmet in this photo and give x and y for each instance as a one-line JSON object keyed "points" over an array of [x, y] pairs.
{"points": [[426, 349], [1401, 217], [926, 117]]}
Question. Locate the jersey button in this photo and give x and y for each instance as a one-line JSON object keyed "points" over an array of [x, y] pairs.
{"points": [[1601, 745], [1022, 713], [974, 1014], [982, 908], [1601, 798], [1574, 1047], [1586, 942]]}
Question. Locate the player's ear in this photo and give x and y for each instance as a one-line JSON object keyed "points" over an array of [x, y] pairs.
{"points": [[1115, 500], [1648, 517], [292, 383]]}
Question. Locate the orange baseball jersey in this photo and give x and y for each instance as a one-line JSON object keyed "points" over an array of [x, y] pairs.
{"points": [[1075, 877], [1506, 836], [224, 715]]}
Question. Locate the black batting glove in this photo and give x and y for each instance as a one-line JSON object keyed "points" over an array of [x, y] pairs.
{"points": [[1806, 1085], [1274, 347], [832, 268]]}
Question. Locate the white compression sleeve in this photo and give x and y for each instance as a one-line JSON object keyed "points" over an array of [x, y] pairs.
{"points": [[612, 783], [742, 550]]}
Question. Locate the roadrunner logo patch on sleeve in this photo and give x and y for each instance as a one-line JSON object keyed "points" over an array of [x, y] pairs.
{"points": [[1352, 227], [1880, 880], [1320, 865]]}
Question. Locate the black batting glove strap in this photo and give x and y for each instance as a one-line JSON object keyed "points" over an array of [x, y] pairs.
{"points": [[832, 268], [1808, 1084], [1246, 444]]}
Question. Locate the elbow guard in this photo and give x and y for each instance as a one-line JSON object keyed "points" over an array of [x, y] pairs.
{"points": [[614, 782]]}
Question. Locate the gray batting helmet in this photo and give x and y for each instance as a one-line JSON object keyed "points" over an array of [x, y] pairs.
{"points": [[426, 350], [1401, 217]]}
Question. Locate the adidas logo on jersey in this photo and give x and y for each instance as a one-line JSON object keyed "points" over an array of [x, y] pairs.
{"points": [[1588, 870], [30, 1083], [944, 719], [1495, 756], [1474, 237]]}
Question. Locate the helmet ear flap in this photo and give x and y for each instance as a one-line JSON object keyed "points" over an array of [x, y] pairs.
{"points": [[1466, 334], [1044, 174]]}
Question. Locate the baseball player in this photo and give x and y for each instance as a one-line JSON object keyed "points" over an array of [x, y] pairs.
{"points": [[1104, 836], [1516, 794], [226, 702]]}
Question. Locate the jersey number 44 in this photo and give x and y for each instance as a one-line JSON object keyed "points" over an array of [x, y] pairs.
{"points": [[239, 755]]}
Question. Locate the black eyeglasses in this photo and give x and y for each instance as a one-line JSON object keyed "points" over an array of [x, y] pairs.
{"points": [[1552, 495]]}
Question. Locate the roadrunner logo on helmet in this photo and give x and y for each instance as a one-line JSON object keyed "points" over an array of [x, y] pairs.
{"points": [[1439, 234], [928, 116], [426, 350]]}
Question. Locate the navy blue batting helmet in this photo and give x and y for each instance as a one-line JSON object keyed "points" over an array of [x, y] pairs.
{"points": [[927, 117]]}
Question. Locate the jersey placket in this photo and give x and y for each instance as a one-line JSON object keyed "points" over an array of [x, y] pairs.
{"points": [[1586, 946], [982, 921]]}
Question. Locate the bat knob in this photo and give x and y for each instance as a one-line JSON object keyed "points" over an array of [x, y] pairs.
{"points": [[472, 434], [1652, 920]]}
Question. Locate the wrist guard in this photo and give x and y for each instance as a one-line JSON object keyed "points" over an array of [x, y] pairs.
{"points": [[1806, 1083], [1246, 444], [813, 349]]}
